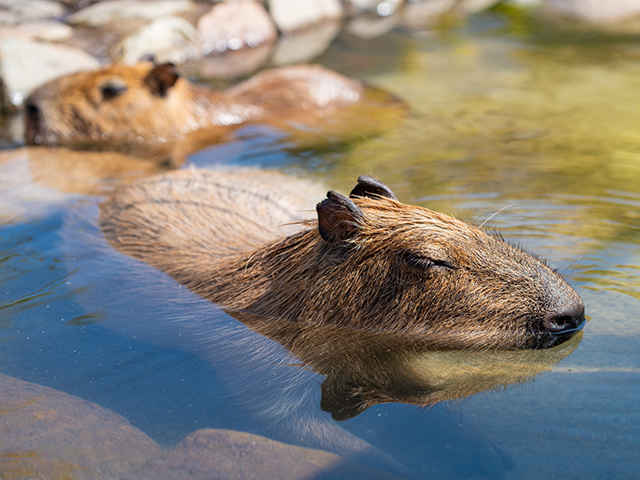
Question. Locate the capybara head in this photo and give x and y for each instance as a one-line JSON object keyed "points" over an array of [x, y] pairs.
{"points": [[116, 106], [377, 264]]}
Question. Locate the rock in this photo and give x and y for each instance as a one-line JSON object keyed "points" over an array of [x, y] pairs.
{"points": [[26, 64], [225, 454], [16, 12], [230, 65], [291, 15], [236, 25], [596, 11], [369, 26], [305, 45], [49, 434], [168, 39], [40, 30], [115, 11], [382, 8]]}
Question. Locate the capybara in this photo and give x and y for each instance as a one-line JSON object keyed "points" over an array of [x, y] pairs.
{"points": [[136, 108], [368, 262]]}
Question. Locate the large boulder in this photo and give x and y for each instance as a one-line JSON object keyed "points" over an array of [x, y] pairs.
{"points": [[26, 64]]}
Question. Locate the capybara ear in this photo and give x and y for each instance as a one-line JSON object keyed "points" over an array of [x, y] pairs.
{"points": [[338, 217], [370, 187], [161, 78]]}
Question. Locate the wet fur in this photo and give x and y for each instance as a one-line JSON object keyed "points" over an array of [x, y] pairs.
{"points": [[406, 270]]}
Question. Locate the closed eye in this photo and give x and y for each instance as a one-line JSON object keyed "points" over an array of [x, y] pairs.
{"points": [[420, 261], [112, 89]]}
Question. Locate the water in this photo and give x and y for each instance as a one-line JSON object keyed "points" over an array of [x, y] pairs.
{"points": [[532, 130]]}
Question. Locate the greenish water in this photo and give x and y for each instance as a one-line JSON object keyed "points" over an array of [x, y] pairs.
{"points": [[534, 131]]}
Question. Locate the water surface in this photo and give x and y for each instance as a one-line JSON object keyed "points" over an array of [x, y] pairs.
{"points": [[533, 131]]}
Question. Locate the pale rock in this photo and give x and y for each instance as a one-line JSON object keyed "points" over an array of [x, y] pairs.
{"points": [[112, 12], [20, 11], [291, 15], [25, 64], [47, 30], [168, 39], [231, 26], [305, 45], [382, 8]]}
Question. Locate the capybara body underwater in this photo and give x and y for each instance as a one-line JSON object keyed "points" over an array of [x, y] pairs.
{"points": [[242, 240]]}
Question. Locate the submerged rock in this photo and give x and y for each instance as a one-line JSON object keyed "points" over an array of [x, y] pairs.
{"points": [[50, 434], [232, 26], [291, 15], [20, 11], [382, 8], [25, 64], [167, 39]]}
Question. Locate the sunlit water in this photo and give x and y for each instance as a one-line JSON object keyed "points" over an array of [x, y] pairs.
{"points": [[533, 132]]}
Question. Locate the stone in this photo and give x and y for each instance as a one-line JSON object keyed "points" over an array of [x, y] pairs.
{"points": [[47, 30], [230, 65], [292, 15], [369, 26], [235, 25], [25, 64], [168, 39], [115, 11], [303, 46], [50, 434], [382, 8], [596, 11], [20, 11], [209, 454]]}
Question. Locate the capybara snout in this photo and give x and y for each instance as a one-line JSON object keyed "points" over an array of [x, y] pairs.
{"points": [[368, 262]]}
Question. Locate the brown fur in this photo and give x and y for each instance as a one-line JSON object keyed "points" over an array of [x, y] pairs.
{"points": [[392, 268], [146, 107]]}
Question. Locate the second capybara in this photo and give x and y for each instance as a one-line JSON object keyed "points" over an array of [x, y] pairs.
{"points": [[136, 108], [366, 262]]}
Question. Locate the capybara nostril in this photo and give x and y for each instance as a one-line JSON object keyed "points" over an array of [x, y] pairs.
{"points": [[566, 320], [33, 119]]}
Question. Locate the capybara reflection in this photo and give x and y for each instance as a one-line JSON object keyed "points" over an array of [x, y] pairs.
{"points": [[136, 107], [368, 261]]}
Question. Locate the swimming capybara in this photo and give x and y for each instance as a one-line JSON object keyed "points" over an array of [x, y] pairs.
{"points": [[136, 108], [367, 262]]}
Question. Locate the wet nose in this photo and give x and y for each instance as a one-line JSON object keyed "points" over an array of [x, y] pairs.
{"points": [[33, 119], [567, 319]]}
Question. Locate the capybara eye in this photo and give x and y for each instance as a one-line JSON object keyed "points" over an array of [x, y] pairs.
{"points": [[112, 89], [424, 263]]}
